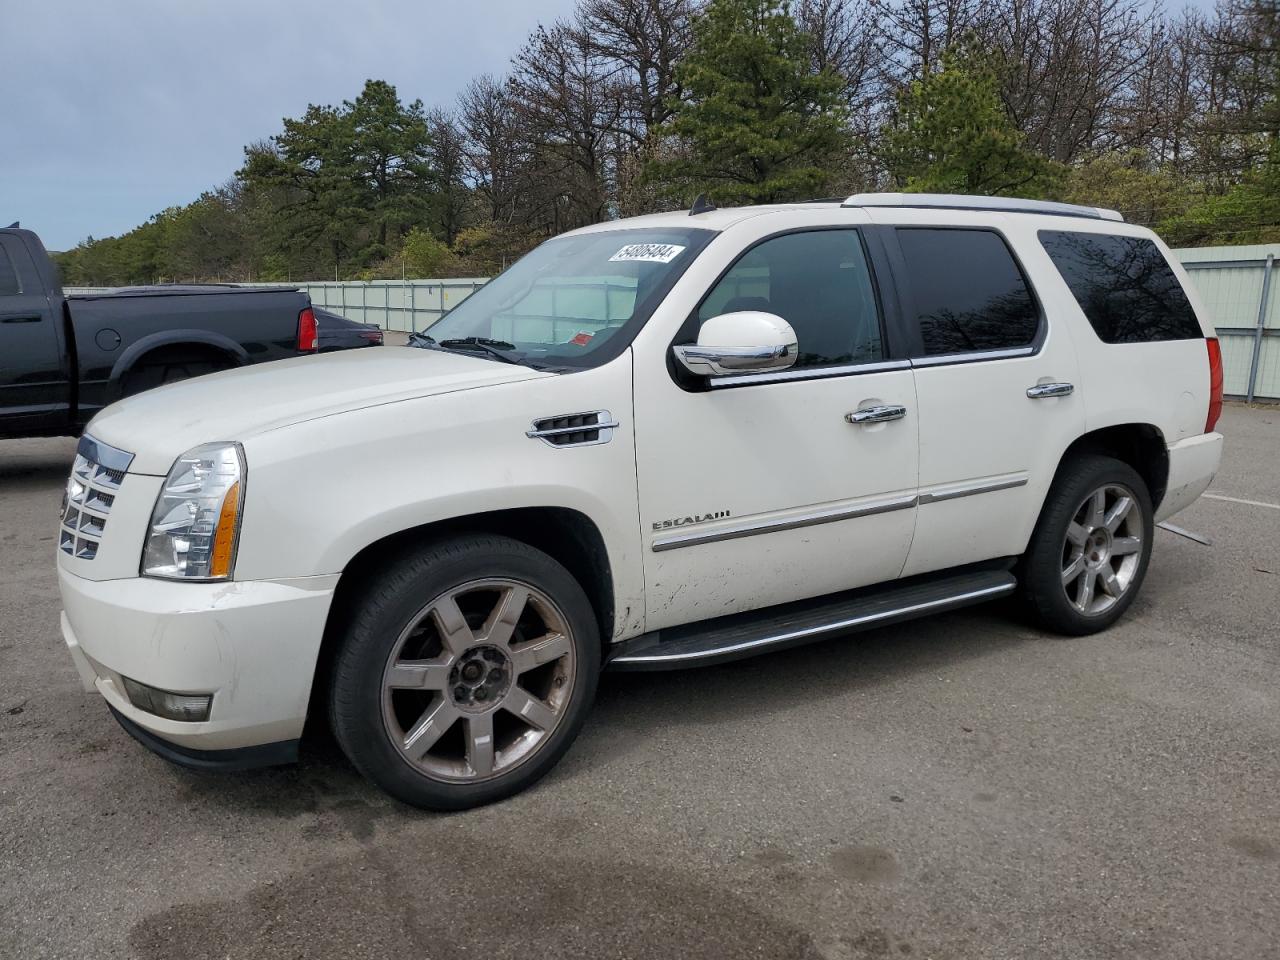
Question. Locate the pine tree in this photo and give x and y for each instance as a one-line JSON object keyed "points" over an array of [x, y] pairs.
{"points": [[952, 135], [757, 123]]}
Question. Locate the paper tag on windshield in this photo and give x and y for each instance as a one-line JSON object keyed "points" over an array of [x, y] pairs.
{"points": [[647, 253]]}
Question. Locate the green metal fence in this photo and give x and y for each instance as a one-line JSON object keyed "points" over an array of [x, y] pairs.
{"points": [[1238, 287], [405, 305]]}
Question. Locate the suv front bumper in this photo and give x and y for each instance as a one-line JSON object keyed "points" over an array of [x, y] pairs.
{"points": [[252, 645]]}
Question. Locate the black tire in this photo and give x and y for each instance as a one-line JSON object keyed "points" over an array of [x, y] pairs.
{"points": [[168, 369], [1046, 563], [378, 626]]}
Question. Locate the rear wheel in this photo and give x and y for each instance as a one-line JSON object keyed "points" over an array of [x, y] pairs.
{"points": [[467, 674], [169, 367], [1090, 550]]}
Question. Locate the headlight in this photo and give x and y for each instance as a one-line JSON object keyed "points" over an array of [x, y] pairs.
{"points": [[196, 521]]}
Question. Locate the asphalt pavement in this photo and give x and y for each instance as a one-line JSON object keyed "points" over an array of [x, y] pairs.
{"points": [[961, 787]]}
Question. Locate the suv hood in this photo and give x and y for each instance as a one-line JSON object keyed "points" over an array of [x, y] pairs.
{"points": [[160, 425]]}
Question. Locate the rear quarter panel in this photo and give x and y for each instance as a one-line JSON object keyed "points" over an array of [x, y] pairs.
{"points": [[1163, 383], [250, 327]]}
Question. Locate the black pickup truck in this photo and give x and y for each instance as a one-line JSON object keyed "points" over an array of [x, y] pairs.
{"points": [[64, 358]]}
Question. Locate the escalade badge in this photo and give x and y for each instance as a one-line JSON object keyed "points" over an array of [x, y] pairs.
{"points": [[685, 521]]}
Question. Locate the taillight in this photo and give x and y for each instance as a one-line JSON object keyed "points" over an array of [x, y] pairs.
{"points": [[306, 330], [1215, 384]]}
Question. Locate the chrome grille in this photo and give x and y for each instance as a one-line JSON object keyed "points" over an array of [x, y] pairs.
{"points": [[96, 477]]}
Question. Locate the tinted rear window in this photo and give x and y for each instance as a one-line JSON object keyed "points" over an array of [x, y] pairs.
{"points": [[1124, 285], [968, 291]]}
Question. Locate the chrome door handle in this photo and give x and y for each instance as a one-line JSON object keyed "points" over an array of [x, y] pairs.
{"points": [[1042, 390], [877, 414]]}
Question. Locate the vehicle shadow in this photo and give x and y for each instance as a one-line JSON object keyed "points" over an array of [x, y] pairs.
{"points": [[324, 787], [32, 462], [751, 689]]}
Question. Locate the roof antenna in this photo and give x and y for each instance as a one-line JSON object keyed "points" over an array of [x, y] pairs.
{"points": [[13, 226], [701, 205]]}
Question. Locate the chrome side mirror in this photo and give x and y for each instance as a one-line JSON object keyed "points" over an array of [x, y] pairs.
{"points": [[744, 342]]}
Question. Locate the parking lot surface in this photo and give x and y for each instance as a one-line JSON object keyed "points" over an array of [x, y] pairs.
{"points": [[952, 788]]}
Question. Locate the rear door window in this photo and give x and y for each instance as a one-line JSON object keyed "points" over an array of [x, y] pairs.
{"points": [[1124, 285], [968, 293]]}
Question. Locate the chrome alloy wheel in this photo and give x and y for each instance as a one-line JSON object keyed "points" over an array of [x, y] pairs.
{"points": [[1102, 549], [478, 681]]}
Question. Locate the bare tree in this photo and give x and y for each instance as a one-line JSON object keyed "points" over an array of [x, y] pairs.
{"points": [[1073, 68], [913, 34], [844, 39], [1242, 108], [448, 159], [492, 150], [570, 105], [1167, 94], [639, 44]]}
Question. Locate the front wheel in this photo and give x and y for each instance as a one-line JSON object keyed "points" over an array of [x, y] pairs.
{"points": [[466, 673], [1091, 546]]}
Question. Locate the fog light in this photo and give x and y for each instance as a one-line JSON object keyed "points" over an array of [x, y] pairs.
{"points": [[188, 707]]}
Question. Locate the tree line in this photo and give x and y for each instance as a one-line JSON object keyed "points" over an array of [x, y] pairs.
{"points": [[634, 106]]}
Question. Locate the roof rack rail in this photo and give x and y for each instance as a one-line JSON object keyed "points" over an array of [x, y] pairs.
{"points": [[957, 201]]}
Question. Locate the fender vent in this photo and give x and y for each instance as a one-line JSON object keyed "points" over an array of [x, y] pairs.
{"points": [[574, 429]]}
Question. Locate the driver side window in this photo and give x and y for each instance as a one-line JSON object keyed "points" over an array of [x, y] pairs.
{"points": [[819, 282]]}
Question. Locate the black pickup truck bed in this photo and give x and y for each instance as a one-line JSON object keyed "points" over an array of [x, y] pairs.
{"points": [[63, 358]]}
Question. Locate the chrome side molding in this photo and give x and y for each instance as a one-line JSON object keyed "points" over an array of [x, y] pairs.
{"points": [[946, 359], [810, 373], [969, 488], [752, 526]]}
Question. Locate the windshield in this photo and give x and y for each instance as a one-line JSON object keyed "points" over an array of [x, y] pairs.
{"points": [[572, 302]]}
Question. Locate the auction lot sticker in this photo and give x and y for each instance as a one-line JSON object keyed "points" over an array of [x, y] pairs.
{"points": [[648, 252]]}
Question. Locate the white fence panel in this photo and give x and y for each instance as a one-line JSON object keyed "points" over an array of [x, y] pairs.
{"points": [[404, 305]]}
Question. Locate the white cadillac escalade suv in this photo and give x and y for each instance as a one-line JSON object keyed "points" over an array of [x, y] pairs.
{"points": [[651, 443]]}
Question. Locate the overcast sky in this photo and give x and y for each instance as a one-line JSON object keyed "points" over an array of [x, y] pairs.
{"points": [[115, 109]]}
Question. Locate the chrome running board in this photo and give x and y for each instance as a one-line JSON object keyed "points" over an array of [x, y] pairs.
{"points": [[774, 628]]}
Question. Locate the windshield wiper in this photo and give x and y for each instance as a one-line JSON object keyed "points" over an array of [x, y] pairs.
{"points": [[498, 349]]}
